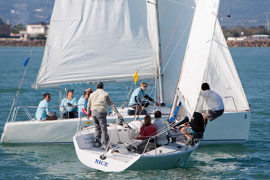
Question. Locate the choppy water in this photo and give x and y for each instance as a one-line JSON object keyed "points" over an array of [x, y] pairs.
{"points": [[250, 160]]}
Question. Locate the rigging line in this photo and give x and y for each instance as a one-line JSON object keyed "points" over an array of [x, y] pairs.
{"points": [[221, 44], [129, 93], [178, 42], [217, 55], [162, 5], [174, 30], [208, 58], [182, 4], [21, 83], [229, 9]]}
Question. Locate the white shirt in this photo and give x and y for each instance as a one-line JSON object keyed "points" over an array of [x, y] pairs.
{"points": [[161, 125], [99, 100], [212, 99]]}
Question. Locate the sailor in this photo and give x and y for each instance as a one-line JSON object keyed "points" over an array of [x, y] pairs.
{"points": [[97, 108], [69, 105], [136, 99], [42, 112], [161, 125], [82, 103], [148, 129], [194, 128], [213, 101]]}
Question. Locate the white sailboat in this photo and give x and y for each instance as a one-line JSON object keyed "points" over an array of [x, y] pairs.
{"points": [[126, 153], [208, 59], [167, 156], [91, 41]]}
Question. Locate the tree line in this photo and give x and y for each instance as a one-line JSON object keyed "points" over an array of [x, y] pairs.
{"points": [[14, 29]]}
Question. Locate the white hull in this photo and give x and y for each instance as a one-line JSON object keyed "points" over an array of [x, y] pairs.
{"points": [[164, 157], [57, 131], [229, 128]]}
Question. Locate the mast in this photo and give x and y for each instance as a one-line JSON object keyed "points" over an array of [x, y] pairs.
{"points": [[158, 60]]}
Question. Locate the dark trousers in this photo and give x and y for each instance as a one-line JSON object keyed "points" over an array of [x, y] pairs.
{"points": [[101, 131], [139, 108], [73, 114]]}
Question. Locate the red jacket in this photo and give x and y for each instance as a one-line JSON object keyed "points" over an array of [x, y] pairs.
{"points": [[146, 131]]}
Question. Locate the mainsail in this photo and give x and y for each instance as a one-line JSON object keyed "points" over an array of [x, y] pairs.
{"points": [[92, 40]]}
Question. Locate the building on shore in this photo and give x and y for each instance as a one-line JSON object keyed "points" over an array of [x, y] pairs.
{"points": [[35, 29], [5, 30], [259, 36], [242, 38], [252, 37]]}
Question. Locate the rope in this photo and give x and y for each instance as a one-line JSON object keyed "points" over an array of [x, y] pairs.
{"points": [[130, 91], [178, 42], [172, 34]]}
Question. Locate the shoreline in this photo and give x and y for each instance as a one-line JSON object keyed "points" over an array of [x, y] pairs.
{"points": [[249, 43], [21, 43], [39, 43]]}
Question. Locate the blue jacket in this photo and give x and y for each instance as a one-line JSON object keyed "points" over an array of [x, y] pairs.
{"points": [[42, 110], [139, 93]]}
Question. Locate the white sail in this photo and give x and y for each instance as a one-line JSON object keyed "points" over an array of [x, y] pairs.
{"points": [[222, 76], [197, 53], [93, 40], [175, 19]]}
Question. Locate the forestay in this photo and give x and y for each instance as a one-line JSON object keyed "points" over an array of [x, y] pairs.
{"points": [[222, 75], [93, 40], [175, 19], [197, 53]]}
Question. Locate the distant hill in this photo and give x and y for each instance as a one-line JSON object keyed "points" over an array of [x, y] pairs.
{"points": [[26, 11], [243, 12]]}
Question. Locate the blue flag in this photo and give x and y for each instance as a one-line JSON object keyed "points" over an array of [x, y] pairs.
{"points": [[26, 61]]}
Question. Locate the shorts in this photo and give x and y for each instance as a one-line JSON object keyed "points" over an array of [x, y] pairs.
{"points": [[213, 114], [187, 129]]}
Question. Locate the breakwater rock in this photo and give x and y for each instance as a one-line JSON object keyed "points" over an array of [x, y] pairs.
{"points": [[19, 42], [243, 43], [250, 43]]}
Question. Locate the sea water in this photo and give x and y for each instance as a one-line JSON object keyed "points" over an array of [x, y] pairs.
{"points": [[249, 160]]}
